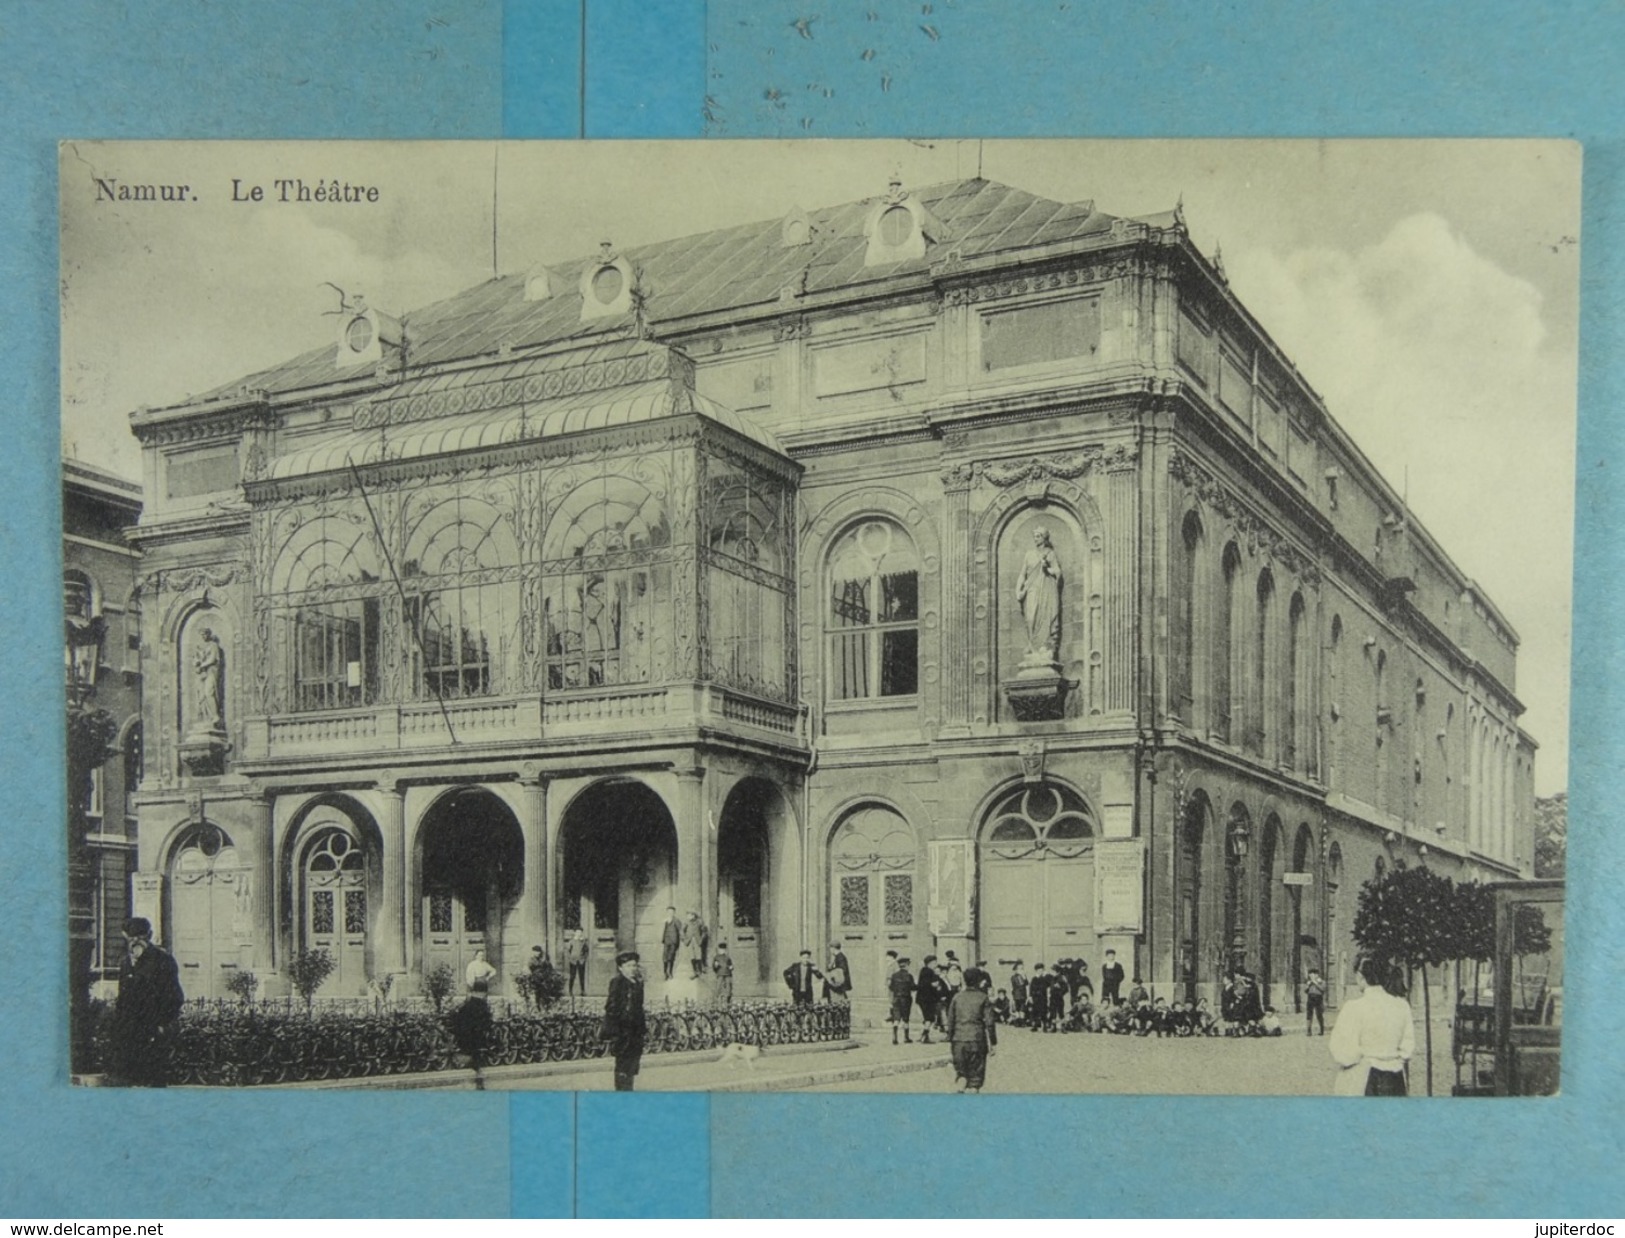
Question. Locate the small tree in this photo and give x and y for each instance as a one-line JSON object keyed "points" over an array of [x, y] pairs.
{"points": [[308, 970], [1530, 932], [438, 984], [243, 984], [542, 985], [1411, 916]]}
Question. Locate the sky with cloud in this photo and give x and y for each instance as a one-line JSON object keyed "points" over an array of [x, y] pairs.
{"points": [[1427, 290]]}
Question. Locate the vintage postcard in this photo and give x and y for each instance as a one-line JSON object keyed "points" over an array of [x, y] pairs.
{"points": [[1033, 616]]}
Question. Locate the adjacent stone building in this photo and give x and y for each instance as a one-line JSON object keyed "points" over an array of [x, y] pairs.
{"points": [[952, 569], [102, 663]]}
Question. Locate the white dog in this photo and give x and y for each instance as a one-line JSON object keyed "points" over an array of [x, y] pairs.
{"points": [[736, 1053]]}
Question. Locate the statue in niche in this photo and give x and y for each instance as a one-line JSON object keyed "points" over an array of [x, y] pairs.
{"points": [[1038, 593], [209, 665]]}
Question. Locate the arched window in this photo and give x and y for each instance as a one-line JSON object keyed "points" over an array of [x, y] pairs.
{"points": [[461, 577], [607, 594], [1297, 677], [874, 613], [331, 586], [1224, 647], [1259, 732], [1192, 696]]}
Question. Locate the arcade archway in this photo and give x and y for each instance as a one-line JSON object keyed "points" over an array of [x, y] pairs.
{"points": [[1199, 947], [471, 857], [618, 846], [756, 906]]}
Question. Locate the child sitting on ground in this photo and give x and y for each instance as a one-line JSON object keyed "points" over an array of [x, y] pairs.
{"points": [[1001, 1007], [1270, 1024], [1161, 1018], [1202, 1020]]}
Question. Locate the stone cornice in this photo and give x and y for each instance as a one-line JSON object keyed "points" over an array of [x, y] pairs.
{"points": [[216, 420]]}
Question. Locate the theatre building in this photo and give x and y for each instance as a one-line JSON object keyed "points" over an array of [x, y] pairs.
{"points": [[954, 569]]}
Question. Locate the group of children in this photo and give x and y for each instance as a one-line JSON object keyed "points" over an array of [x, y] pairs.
{"points": [[1063, 1000]]}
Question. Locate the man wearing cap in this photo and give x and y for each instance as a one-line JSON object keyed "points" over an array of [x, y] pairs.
{"points": [[624, 1026], [799, 976], [149, 1002]]}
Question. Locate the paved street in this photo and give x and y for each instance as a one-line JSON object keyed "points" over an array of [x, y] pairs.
{"points": [[1026, 1062], [1290, 1065]]}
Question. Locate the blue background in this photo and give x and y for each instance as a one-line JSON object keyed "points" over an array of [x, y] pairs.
{"points": [[474, 68]]}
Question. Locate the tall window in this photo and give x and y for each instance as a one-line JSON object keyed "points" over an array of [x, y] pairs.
{"points": [[336, 654], [748, 574], [1296, 678], [606, 602], [1383, 717], [1190, 693], [874, 613], [1259, 730], [331, 590], [461, 573], [1224, 651]]}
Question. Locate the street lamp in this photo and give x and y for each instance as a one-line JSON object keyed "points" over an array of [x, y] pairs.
{"points": [[1237, 839]]}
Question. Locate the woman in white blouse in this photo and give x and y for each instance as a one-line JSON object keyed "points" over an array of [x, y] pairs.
{"points": [[1374, 1037]]}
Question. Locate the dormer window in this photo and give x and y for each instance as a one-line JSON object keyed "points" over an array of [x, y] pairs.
{"points": [[364, 334], [538, 285], [606, 285], [795, 229], [898, 228]]}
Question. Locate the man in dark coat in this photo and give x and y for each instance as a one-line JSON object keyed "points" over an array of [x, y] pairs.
{"points": [[624, 1025], [1038, 998], [671, 937], [799, 976], [149, 1002], [931, 995], [1111, 979]]}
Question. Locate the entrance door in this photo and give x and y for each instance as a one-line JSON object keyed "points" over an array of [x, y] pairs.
{"points": [[875, 913], [1038, 879], [456, 926], [336, 908], [204, 893], [872, 896]]}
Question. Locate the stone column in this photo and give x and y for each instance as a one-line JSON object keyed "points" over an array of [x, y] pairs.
{"points": [[693, 879], [393, 955], [532, 913], [260, 806], [957, 630]]}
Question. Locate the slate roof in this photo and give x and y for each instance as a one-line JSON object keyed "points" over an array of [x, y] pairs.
{"points": [[729, 269]]}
